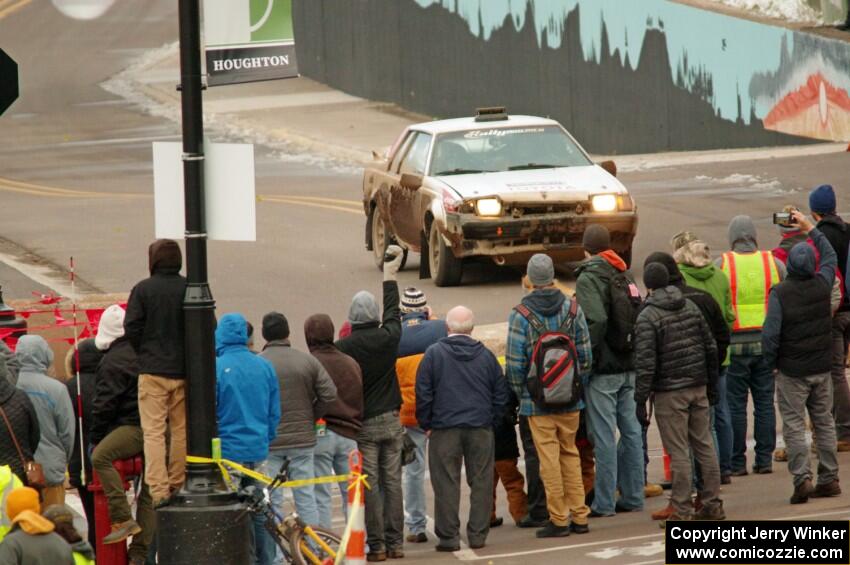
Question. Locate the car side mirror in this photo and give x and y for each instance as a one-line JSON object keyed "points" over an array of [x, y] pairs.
{"points": [[609, 166], [410, 181]]}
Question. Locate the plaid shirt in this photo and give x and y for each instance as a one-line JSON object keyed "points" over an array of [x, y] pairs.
{"points": [[521, 344]]}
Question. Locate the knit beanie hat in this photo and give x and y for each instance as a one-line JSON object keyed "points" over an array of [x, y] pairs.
{"points": [[21, 499], [110, 328], [413, 300], [59, 513], [275, 326], [596, 239], [668, 262], [822, 199], [541, 270], [655, 276]]}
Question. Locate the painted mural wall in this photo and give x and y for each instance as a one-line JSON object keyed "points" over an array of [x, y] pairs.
{"points": [[623, 75]]}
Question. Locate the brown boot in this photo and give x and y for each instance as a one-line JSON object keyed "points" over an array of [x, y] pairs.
{"points": [[122, 531], [802, 492], [664, 513], [824, 491], [843, 446], [711, 512]]}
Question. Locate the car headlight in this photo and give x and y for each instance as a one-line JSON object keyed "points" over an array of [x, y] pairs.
{"points": [[488, 207], [604, 203]]}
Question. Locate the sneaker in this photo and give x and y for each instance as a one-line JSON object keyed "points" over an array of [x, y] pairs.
{"points": [[620, 509], [843, 446], [550, 530], [421, 537], [824, 491], [395, 553], [496, 522], [529, 522], [122, 531], [595, 514], [579, 528], [664, 513], [802, 492], [739, 473], [726, 479], [447, 548], [780, 455], [766, 470], [476, 545], [651, 490], [373, 556], [712, 512]]}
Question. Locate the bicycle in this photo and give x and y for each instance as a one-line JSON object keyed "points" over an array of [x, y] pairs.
{"points": [[300, 543]]}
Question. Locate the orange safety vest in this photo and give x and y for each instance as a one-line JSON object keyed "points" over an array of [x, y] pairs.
{"points": [[751, 276]]}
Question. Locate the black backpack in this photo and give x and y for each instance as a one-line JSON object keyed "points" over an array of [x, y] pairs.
{"points": [[625, 304], [554, 375]]}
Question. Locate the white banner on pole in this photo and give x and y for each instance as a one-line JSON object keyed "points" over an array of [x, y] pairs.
{"points": [[229, 191]]}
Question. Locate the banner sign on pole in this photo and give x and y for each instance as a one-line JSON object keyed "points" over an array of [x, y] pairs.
{"points": [[248, 40]]}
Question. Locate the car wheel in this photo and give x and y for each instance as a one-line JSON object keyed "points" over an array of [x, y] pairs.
{"points": [[446, 269], [626, 256], [381, 239]]}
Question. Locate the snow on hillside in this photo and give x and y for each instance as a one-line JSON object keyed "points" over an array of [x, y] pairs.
{"points": [[789, 10]]}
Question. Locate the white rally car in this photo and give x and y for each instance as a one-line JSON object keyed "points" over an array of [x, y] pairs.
{"points": [[497, 186]]}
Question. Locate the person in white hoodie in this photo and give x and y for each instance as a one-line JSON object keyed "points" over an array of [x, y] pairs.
{"points": [[55, 414]]}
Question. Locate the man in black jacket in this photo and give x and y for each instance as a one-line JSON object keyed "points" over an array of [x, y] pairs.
{"points": [[373, 343], [676, 359], [116, 434], [797, 343], [154, 326], [822, 204]]}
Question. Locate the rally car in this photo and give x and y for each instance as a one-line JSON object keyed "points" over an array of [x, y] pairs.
{"points": [[494, 186]]}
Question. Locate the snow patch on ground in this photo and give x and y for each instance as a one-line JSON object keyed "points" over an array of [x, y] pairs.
{"points": [[789, 10]]}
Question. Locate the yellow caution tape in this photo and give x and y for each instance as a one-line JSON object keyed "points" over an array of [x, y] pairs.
{"points": [[223, 464]]}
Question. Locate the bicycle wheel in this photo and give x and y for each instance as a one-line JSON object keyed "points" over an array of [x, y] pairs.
{"points": [[300, 547]]}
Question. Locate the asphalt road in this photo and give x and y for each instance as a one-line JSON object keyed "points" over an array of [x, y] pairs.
{"points": [[76, 179]]}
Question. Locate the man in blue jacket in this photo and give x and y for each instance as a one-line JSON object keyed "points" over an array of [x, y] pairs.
{"points": [[797, 345], [248, 411], [460, 394]]}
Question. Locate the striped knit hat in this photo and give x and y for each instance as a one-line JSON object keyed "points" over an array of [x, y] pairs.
{"points": [[413, 300]]}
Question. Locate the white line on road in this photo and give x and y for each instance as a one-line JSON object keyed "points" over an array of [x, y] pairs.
{"points": [[41, 274], [569, 547]]}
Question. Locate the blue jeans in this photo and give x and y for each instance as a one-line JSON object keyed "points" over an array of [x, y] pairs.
{"points": [[415, 512], [301, 466], [750, 374], [331, 458], [611, 407], [380, 442], [263, 543], [723, 426]]}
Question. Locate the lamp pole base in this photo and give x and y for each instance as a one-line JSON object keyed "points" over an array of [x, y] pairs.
{"points": [[215, 529]]}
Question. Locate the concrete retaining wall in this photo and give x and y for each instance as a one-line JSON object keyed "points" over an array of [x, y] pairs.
{"points": [[623, 76]]}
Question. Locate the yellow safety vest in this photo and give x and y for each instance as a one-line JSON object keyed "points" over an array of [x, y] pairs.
{"points": [[9, 481], [81, 560], [751, 276]]}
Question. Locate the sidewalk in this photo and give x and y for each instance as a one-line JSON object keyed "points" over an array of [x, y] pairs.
{"points": [[302, 116]]}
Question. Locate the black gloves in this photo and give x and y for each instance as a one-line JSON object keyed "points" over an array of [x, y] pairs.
{"points": [[640, 412]]}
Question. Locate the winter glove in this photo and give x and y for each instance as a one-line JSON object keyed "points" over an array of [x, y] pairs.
{"points": [[640, 412], [391, 267]]}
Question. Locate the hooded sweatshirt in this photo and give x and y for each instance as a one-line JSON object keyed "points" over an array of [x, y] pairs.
{"points": [[116, 398], [247, 394], [11, 361], [24, 421], [344, 416], [89, 356], [154, 320], [743, 238], [418, 333], [459, 384], [32, 541], [52, 405], [797, 334], [593, 292], [837, 232], [552, 307]]}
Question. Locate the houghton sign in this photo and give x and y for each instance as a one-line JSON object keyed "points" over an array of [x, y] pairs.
{"points": [[248, 40]]}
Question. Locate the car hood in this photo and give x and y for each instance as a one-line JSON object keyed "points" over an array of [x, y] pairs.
{"points": [[564, 183]]}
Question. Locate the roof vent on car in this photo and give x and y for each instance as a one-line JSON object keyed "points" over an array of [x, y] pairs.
{"points": [[491, 114]]}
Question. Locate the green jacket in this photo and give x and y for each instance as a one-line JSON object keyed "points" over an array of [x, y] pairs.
{"points": [[713, 281], [594, 297]]}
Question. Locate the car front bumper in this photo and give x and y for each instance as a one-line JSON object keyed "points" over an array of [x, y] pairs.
{"points": [[558, 234]]}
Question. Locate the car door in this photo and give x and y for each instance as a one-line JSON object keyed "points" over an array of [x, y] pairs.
{"points": [[405, 203]]}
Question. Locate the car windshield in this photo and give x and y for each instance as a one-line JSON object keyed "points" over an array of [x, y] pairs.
{"points": [[505, 149]]}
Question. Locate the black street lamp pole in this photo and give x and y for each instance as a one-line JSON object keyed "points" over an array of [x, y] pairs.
{"points": [[205, 522]]}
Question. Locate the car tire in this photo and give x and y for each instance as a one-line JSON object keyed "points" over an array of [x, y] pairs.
{"points": [[381, 238], [446, 269]]}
